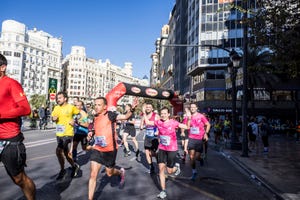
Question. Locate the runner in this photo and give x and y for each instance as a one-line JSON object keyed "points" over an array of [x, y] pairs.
{"points": [[129, 129], [91, 114], [199, 128], [80, 129], [184, 134], [105, 149], [13, 105], [63, 115], [167, 146], [151, 140]]}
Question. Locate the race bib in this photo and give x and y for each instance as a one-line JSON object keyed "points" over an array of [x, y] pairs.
{"points": [[150, 132], [100, 141], [194, 130], [165, 140], [60, 128]]}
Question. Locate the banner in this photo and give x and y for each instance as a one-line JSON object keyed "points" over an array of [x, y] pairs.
{"points": [[122, 89], [52, 89]]}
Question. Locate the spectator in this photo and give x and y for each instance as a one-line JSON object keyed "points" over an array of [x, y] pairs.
{"points": [[42, 117], [252, 134], [264, 132]]}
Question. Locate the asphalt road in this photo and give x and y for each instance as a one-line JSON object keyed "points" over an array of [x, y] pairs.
{"points": [[219, 178]]}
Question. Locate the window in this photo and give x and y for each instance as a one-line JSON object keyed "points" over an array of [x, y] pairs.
{"points": [[209, 18], [215, 74], [215, 95], [17, 54], [261, 95], [7, 53], [281, 95]]}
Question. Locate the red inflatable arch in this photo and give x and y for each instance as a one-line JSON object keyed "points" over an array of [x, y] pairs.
{"points": [[135, 90]]}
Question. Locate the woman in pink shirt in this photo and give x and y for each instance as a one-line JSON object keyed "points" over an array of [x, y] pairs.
{"points": [[167, 148]]}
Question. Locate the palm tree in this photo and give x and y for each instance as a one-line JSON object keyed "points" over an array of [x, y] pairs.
{"points": [[260, 71]]}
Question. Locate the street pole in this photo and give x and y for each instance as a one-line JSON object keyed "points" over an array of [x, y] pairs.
{"points": [[235, 145], [232, 68], [245, 81]]}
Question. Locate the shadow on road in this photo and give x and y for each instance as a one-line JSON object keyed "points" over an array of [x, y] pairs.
{"points": [[53, 189]]}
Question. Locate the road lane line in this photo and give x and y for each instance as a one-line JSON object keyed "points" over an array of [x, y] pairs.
{"points": [[210, 195], [40, 157], [38, 141]]}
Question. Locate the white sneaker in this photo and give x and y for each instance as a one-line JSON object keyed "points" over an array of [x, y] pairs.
{"points": [[162, 195], [177, 165]]}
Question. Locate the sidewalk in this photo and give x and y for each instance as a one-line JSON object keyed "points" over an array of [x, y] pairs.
{"points": [[278, 170], [26, 125]]}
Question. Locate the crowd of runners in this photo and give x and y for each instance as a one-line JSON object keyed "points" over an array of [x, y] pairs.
{"points": [[94, 127]]}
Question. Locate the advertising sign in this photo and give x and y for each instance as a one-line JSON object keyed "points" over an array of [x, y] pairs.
{"points": [[52, 89]]}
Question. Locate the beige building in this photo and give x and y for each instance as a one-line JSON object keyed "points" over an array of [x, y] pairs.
{"points": [[89, 78], [33, 56]]}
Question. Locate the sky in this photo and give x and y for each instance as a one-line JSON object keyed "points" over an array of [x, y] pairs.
{"points": [[118, 30]]}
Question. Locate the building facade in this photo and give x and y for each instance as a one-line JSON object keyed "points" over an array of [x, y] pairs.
{"points": [[203, 34], [88, 78], [33, 56]]}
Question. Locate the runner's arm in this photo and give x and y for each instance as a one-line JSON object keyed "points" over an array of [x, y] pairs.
{"points": [[207, 128], [22, 109], [124, 117]]}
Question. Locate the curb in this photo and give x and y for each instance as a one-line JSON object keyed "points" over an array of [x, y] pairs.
{"points": [[254, 176]]}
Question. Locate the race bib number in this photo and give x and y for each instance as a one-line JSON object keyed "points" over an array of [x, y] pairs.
{"points": [[165, 140], [100, 141], [150, 132], [60, 128], [194, 130]]}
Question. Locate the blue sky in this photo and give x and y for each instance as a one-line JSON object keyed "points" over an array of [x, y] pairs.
{"points": [[118, 30]]}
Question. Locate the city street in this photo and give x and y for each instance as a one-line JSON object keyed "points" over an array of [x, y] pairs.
{"points": [[219, 178]]}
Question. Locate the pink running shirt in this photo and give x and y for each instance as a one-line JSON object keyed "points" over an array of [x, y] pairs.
{"points": [[167, 134], [197, 126]]}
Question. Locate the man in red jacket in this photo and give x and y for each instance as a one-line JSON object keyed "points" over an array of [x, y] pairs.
{"points": [[13, 105]]}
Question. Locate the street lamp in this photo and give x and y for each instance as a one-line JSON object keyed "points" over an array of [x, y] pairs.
{"points": [[232, 67]]}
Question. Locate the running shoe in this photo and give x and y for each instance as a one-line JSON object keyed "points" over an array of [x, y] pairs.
{"points": [[122, 176], [75, 170], [61, 174], [162, 194], [193, 178], [177, 172], [127, 153]]}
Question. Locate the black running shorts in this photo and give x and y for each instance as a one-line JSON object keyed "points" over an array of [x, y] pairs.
{"points": [[13, 158], [151, 143], [64, 142], [130, 129], [108, 159], [80, 138], [196, 145], [167, 157]]}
